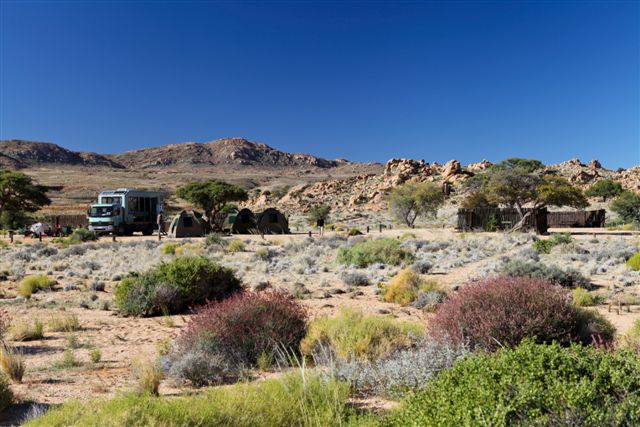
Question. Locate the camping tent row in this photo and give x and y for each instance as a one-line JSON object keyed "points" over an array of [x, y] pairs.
{"points": [[192, 224]]}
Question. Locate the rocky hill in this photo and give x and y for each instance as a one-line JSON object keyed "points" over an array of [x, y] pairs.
{"points": [[226, 151], [368, 191], [17, 154]]}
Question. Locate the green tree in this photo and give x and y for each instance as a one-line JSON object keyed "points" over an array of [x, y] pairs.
{"points": [[516, 188], [605, 189], [19, 195], [318, 212], [409, 201], [627, 206], [212, 197]]}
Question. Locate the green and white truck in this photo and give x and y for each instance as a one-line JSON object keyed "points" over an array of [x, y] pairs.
{"points": [[125, 211]]}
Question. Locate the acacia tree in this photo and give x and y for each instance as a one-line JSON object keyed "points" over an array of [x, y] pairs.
{"points": [[19, 195], [318, 212], [409, 201], [605, 188], [516, 188], [212, 197]]}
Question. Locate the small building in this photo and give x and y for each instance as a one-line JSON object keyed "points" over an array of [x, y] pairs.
{"points": [[187, 224], [494, 219]]}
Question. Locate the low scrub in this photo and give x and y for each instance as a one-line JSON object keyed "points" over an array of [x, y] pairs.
{"points": [[402, 371], [406, 286], [6, 395], [503, 311], [367, 252], [293, 400], [81, 235], [169, 248], [530, 385], [236, 245], [354, 335], [584, 298], [237, 332], [545, 246], [32, 284], [634, 262], [568, 278], [148, 375], [174, 286]]}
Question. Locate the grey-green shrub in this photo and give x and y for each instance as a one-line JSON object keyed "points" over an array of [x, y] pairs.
{"points": [[367, 252], [569, 278], [172, 287]]}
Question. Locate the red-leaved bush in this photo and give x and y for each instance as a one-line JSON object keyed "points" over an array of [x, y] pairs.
{"points": [[502, 311], [247, 325]]}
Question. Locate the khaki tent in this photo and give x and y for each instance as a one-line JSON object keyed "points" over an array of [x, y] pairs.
{"points": [[245, 222], [272, 221], [187, 224]]}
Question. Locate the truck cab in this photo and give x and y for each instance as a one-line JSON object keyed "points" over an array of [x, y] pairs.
{"points": [[125, 211]]}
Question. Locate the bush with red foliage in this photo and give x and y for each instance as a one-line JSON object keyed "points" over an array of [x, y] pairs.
{"points": [[246, 326], [502, 311]]}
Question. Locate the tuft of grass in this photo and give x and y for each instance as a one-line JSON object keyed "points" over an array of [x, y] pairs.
{"points": [[32, 284], [262, 254], [354, 335], [303, 399], [236, 245], [584, 298], [24, 331], [65, 323], [68, 360], [148, 375], [95, 355], [12, 362]]}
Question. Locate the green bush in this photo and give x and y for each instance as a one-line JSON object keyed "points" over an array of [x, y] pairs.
{"points": [[353, 334], [366, 252], [545, 246], [214, 239], [32, 284], [292, 400], [627, 206], [634, 262], [174, 286], [568, 278], [531, 385], [584, 298]]}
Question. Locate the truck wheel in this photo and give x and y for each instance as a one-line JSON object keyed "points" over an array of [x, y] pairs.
{"points": [[148, 231]]}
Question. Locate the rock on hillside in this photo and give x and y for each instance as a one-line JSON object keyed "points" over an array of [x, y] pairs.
{"points": [[585, 175], [365, 191], [226, 151], [19, 154]]}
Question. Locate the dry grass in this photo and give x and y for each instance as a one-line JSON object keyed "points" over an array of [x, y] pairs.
{"points": [[148, 374], [12, 362]]}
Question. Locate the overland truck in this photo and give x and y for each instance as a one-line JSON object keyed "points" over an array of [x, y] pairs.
{"points": [[124, 211]]}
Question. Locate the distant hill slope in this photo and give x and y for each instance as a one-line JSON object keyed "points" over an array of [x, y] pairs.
{"points": [[16, 154], [236, 151]]}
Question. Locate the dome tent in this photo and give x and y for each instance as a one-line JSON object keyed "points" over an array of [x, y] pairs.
{"points": [[272, 221], [187, 224]]}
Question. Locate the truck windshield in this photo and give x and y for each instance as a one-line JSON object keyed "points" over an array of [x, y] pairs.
{"points": [[100, 211]]}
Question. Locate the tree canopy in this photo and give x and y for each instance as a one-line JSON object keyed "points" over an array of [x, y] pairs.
{"points": [[605, 188], [318, 212], [525, 165], [627, 206], [19, 195], [212, 197], [409, 201]]}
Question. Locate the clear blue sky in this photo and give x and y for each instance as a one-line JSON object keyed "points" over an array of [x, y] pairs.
{"points": [[362, 80]]}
